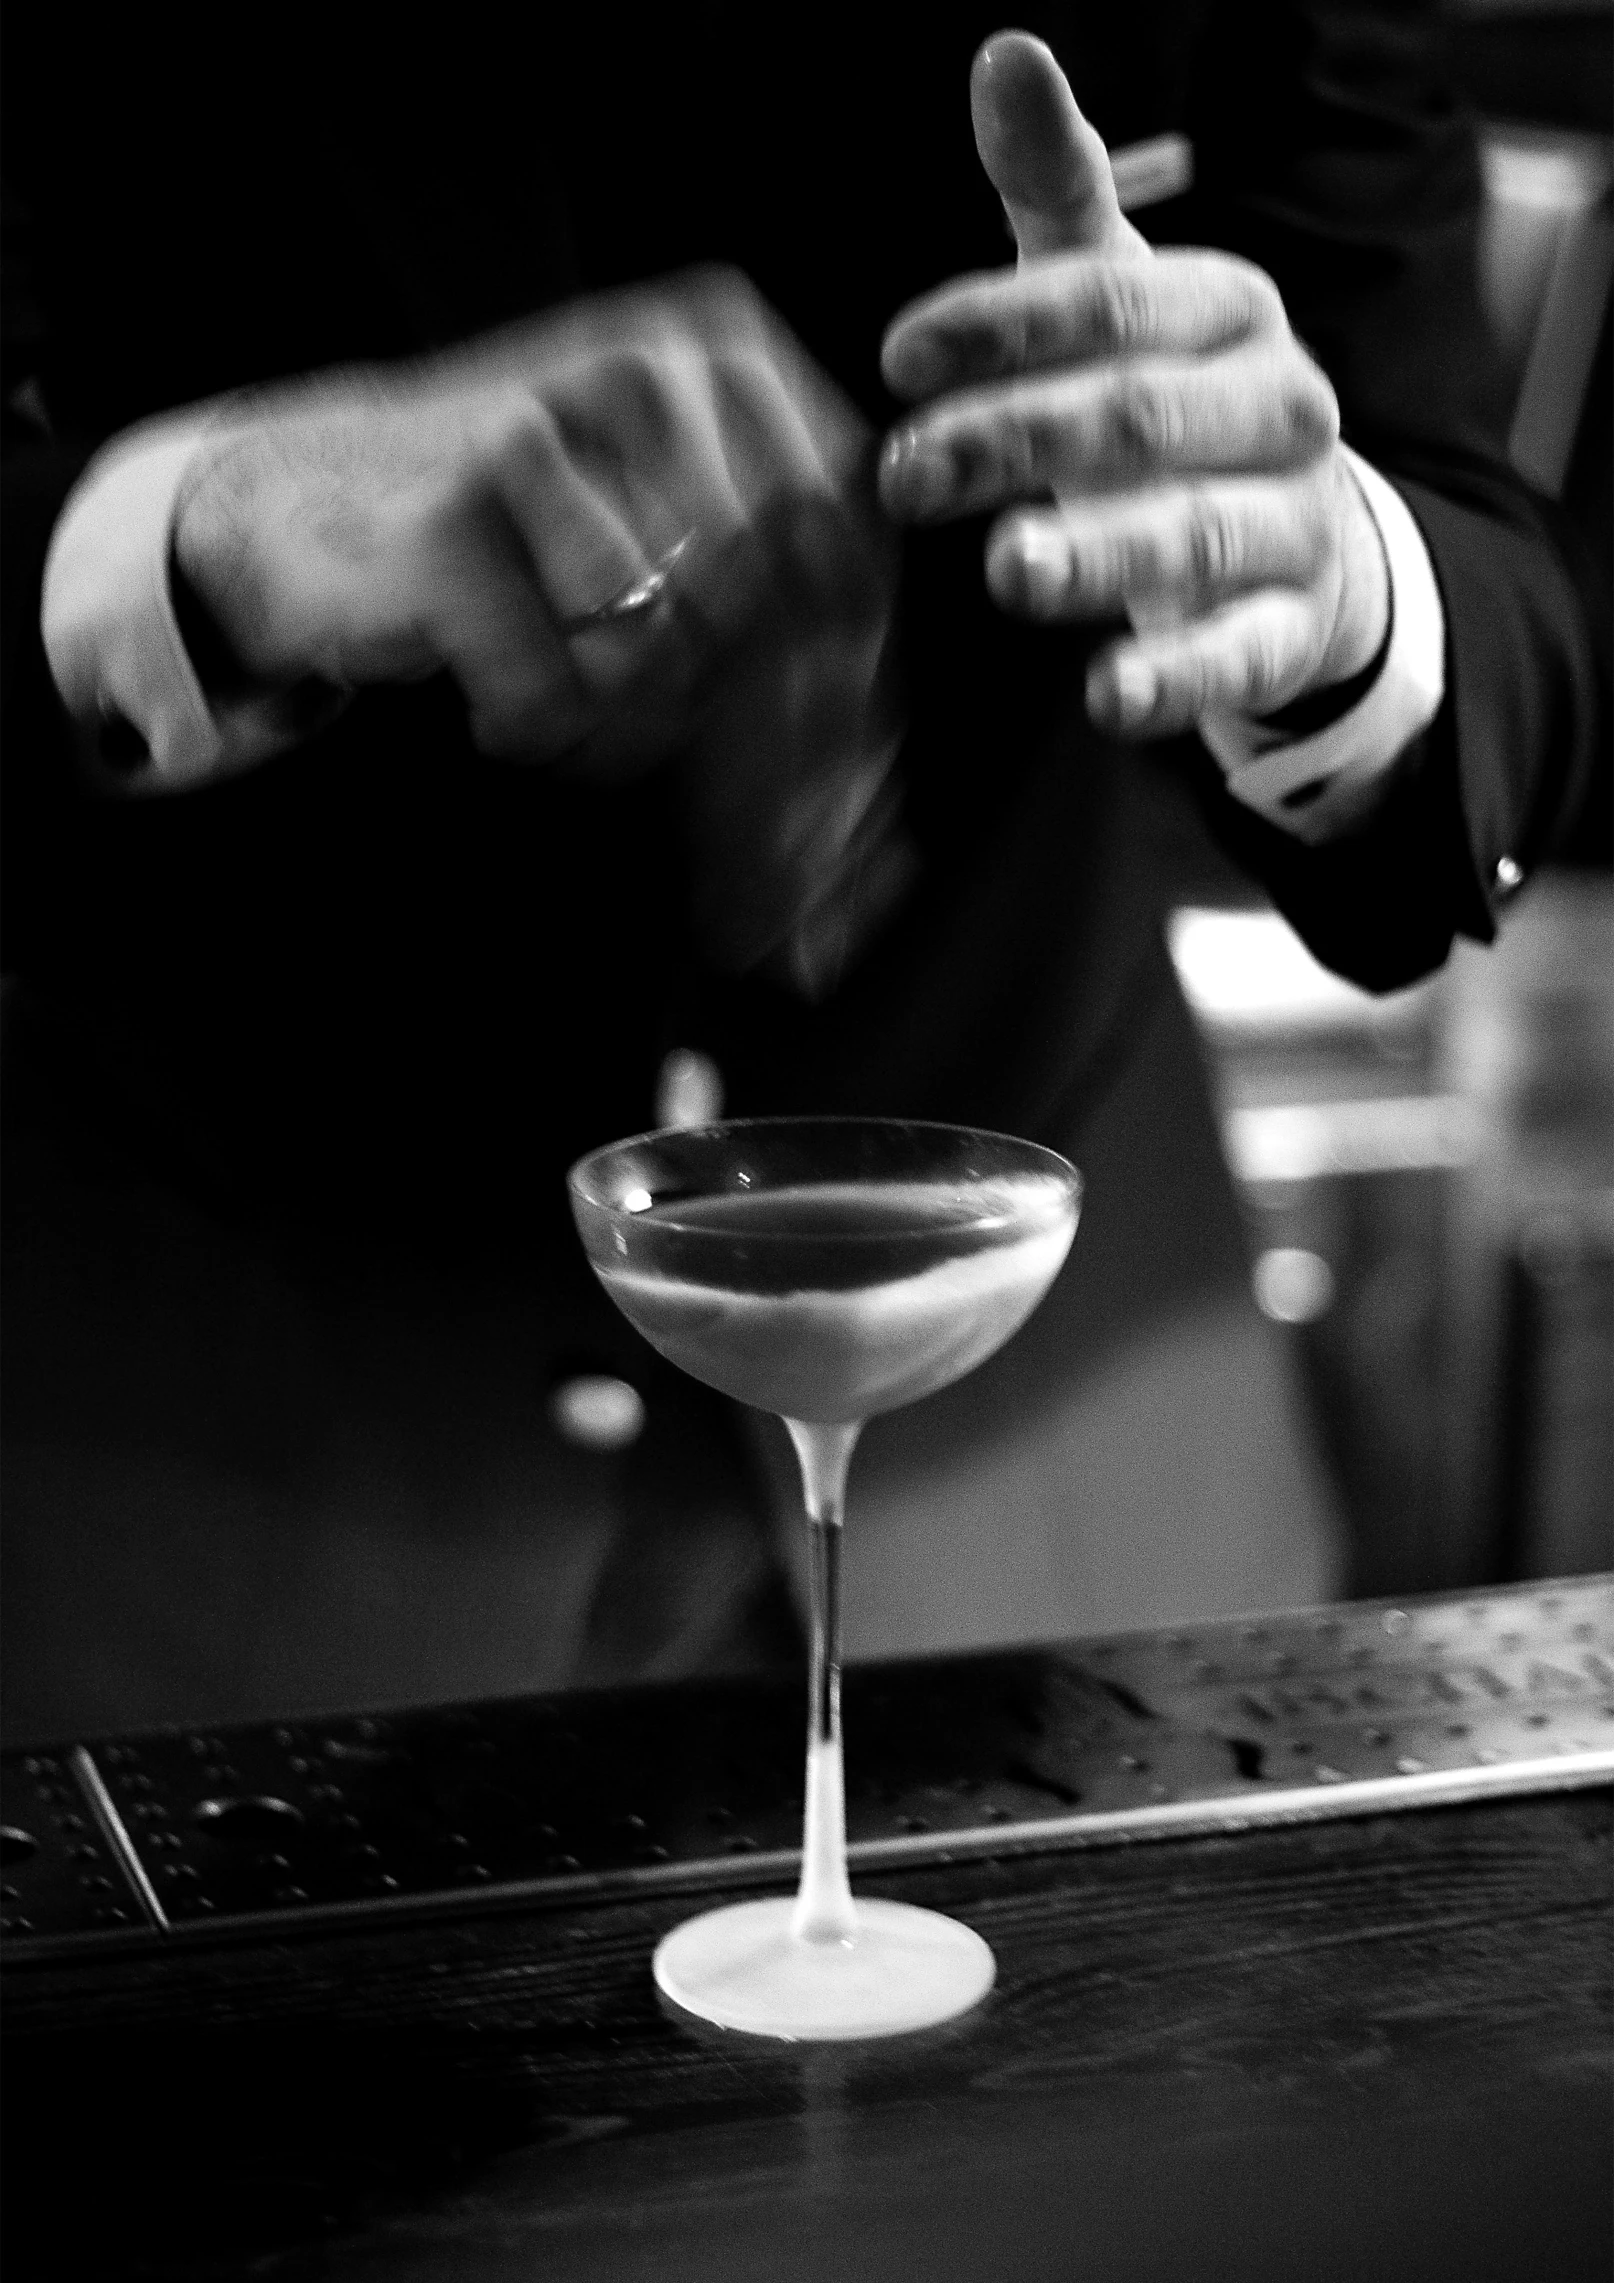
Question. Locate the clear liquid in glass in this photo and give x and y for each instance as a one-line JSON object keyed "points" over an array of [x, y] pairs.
{"points": [[825, 1270]]}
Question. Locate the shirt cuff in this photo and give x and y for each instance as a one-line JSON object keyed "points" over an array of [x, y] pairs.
{"points": [[107, 618], [1318, 787]]}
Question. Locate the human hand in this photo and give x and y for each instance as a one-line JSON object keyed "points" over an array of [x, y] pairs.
{"points": [[1161, 443], [481, 512]]}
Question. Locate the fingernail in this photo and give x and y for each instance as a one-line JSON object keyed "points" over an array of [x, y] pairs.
{"points": [[1044, 568], [1137, 686], [915, 478], [1122, 692]]}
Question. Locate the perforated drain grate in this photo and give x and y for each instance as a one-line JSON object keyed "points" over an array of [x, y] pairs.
{"points": [[1344, 1711]]}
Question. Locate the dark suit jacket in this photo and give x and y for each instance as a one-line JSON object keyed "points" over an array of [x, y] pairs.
{"points": [[383, 989], [310, 202]]}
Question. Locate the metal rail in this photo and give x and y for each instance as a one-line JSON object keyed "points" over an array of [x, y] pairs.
{"points": [[1355, 1710]]}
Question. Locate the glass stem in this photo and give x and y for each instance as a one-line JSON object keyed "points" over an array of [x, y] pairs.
{"points": [[824, 1910]]}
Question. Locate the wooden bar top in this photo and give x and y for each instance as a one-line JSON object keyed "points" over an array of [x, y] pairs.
{"points": [[1374, 2046]]}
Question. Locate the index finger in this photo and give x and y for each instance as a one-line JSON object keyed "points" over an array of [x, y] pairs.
{"points": [[1072, 309]]}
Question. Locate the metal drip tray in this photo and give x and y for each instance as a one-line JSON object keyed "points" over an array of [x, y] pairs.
{"points": [[1346, 1711]]}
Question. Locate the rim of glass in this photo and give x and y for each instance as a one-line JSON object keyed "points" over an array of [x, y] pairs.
{"points": [[576, 1178]]}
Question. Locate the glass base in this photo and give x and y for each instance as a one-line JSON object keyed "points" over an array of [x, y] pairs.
{"points": [[743, 1969]]}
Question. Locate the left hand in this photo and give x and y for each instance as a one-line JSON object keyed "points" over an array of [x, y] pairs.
{"points": [[1161, 443]]}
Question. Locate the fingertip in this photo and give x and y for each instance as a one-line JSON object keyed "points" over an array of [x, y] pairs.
{"points": [[1046, 162], [889, 469], [1123, 693], [912, 363], [1008, 63], [1028, 567], [1020, 99]]}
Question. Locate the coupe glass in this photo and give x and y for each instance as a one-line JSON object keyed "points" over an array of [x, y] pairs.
{"points": [[825, 1269]]}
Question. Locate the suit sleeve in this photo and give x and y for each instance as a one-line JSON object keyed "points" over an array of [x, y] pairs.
{"points": [[1331, 151]]}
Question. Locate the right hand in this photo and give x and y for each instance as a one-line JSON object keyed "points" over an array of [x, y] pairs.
{"points": [[381, 525]]}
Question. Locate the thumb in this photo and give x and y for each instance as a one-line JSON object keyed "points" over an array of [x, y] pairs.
{"points": [[1049, 167]]}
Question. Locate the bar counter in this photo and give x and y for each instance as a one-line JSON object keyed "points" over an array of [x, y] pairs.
{"points": [[1302, 1930]]}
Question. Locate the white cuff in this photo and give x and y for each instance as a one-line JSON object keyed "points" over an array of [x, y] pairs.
{"points": [[1275, 776], [108, 618]]}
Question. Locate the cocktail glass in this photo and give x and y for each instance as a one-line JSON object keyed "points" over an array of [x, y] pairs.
{"points": [[825, 1269]]}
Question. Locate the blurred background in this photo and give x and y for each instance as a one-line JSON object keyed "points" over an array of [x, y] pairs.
{"points": [[377, 1496], [1428, 1180]]}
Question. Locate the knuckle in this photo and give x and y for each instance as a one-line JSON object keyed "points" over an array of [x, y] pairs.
{"points": [[1025, 439], [1310, 411], [517, 432], [714, 289], [1140, 566], [616, 396], [450, 506], [1262, 668], [726, 281], [637, 377], [1082, 577], [1213, 545], [1255, 292], [1038, 333], [1144, 422], [1097, 571], [1122, 305], [739, 382], [1185, 683]]}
